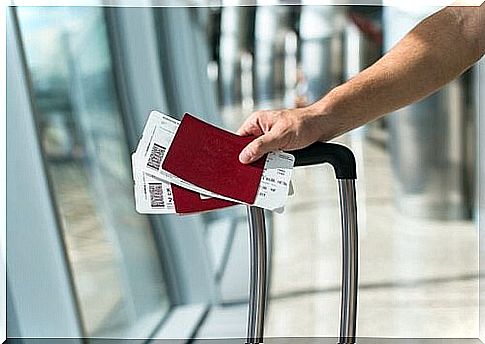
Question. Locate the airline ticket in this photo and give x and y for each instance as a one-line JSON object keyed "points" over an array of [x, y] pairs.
{"points": [[152, 195]]}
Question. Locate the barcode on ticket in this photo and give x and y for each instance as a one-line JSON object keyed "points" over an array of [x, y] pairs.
{"points": [[156, 195], [156, 156]]}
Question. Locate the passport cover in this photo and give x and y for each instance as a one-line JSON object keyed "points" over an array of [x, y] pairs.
{"points": [[208, 157], [187, 201]]}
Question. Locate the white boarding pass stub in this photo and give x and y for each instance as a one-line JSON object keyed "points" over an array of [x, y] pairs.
{"points": [[275, 181], [152, 195]]}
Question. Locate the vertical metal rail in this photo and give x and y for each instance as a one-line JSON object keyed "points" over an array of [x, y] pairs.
{"points": [[343, 161], [350, 261], [257, 277]]}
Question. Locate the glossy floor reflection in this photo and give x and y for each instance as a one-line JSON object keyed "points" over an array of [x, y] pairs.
{"points": [[418, 278]]}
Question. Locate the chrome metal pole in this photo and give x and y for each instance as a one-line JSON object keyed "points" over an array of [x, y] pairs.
{"points": [[257, 277], [350, 261]]}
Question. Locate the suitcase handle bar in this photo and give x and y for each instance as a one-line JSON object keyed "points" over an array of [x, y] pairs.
{"points": [[340, 157], [343, 161]]}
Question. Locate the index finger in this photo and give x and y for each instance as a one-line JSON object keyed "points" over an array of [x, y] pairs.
{"points": [[250, 127]]}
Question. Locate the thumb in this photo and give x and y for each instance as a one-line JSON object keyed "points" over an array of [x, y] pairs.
{"points": [[258, 147]]}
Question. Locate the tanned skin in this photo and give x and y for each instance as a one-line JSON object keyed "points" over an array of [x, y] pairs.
{"points": [[436, 51]]}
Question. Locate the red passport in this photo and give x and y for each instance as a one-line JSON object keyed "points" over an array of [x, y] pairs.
{"points": [[187, 201], [208, 157]]}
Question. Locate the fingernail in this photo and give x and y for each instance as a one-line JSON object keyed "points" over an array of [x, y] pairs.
{"points": [[245, 157]]}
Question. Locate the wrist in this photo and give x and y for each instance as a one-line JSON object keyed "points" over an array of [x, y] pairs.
{"points": [[324, 117]]}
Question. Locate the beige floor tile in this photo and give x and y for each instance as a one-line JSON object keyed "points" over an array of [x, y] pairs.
{"points": [[418, 277]]}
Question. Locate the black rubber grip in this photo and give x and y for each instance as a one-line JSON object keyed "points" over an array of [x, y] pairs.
{"points": [[340, 157]]}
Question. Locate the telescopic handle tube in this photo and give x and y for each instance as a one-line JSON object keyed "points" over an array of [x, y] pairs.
{"points": [[257, 276], [343, 161]]}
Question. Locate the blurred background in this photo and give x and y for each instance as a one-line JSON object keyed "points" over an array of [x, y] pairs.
{"points": [[83, 263]]}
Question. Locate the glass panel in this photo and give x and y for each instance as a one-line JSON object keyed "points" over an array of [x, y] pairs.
{"points": [[114, 261]]}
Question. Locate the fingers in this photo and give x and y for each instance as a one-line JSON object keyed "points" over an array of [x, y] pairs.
{"points": [[249, 129], [258, 147], [251, 125]]}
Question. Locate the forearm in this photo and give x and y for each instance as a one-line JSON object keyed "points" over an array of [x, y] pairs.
{"points": [[435, 52], [438, 50]]}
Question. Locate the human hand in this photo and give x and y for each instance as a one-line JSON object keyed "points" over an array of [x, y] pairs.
{"points": [[287, 129]]}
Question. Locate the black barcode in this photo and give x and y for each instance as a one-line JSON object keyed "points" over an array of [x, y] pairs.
{"points": [[156, 195], [156, 156]]}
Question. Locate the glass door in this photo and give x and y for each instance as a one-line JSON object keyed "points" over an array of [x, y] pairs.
{"points": [[113, 257]]}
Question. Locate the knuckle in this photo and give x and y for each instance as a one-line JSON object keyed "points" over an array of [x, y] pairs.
{"points": [[252, 151], [258, 143]]}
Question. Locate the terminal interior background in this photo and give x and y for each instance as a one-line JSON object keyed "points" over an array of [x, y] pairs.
{"points": [[82, 263]]}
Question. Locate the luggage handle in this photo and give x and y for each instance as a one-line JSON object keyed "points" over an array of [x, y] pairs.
{"points": [[343, 161], [340, 157]]}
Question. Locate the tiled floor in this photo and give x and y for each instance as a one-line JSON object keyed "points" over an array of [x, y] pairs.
{"points": [[418, 278]]}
